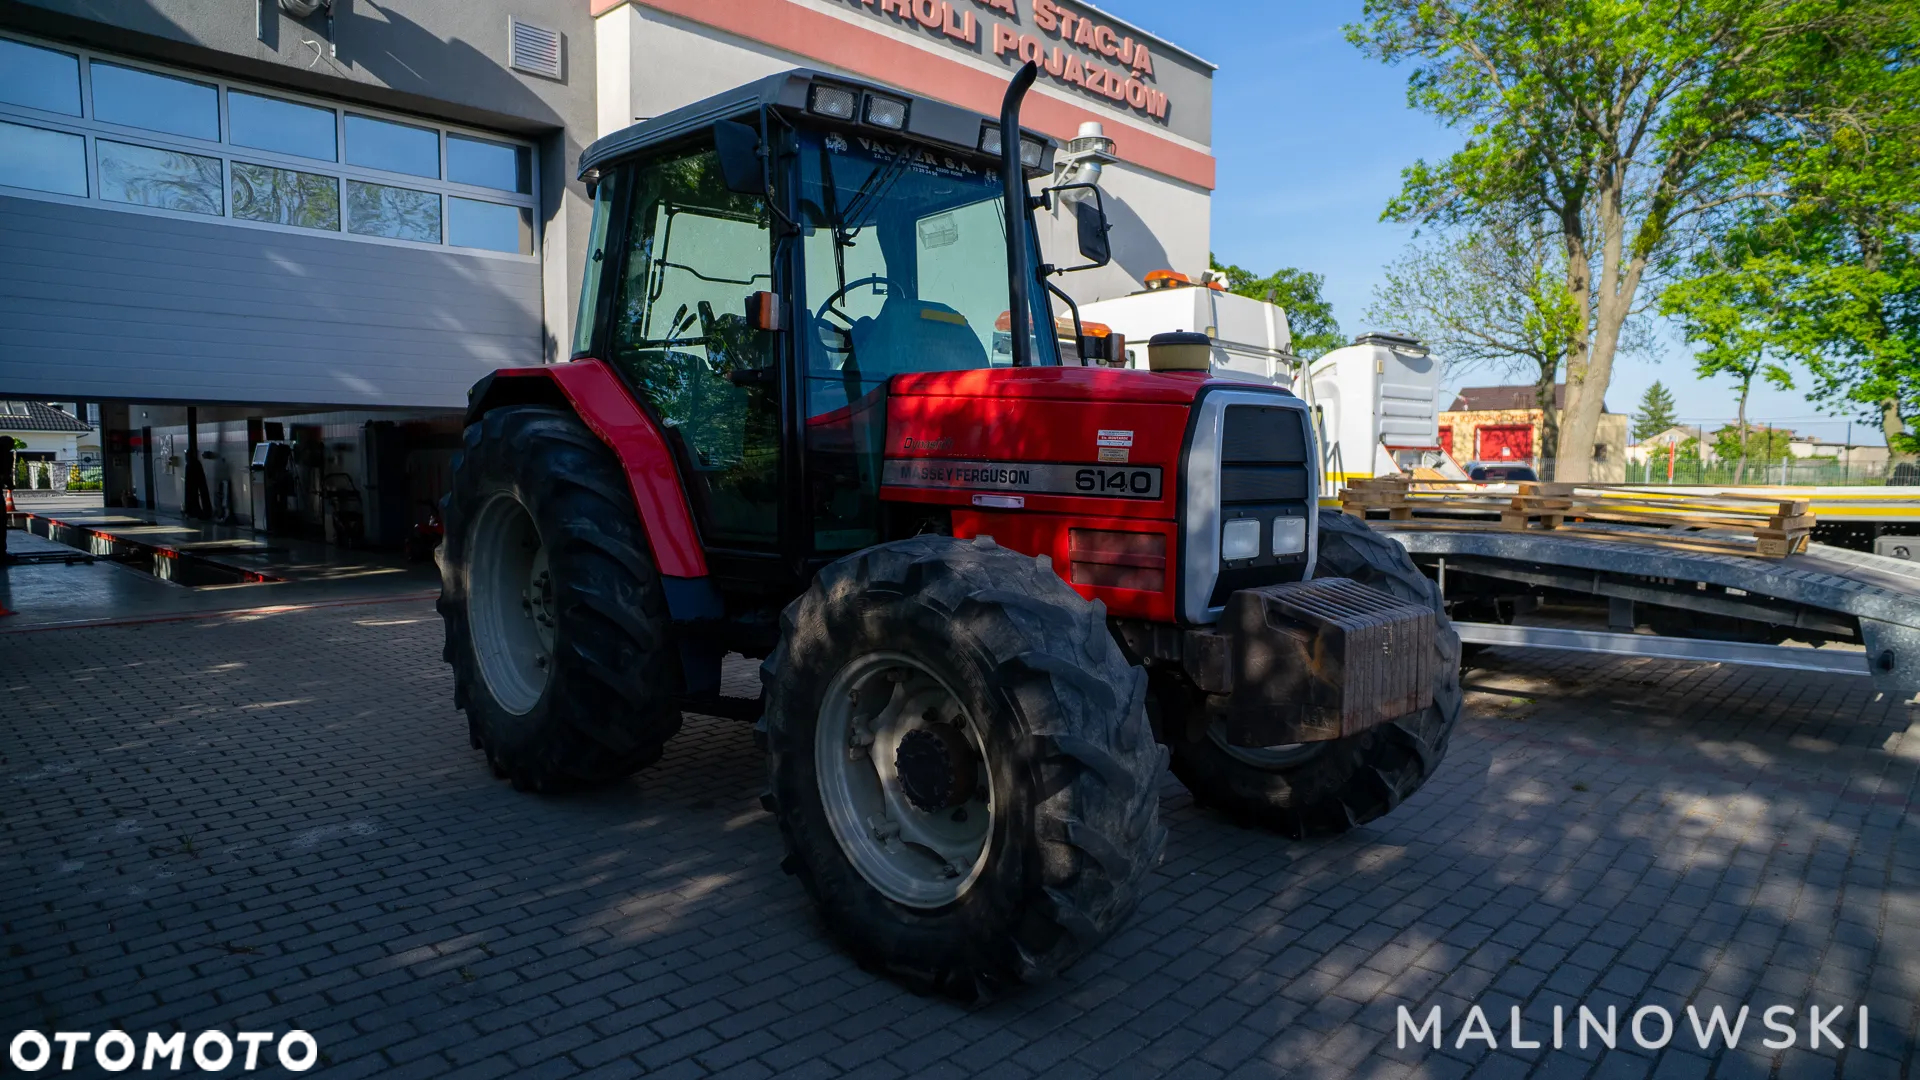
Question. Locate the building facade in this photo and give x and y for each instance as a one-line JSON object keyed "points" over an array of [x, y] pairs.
{"points": [[1507, 424], [318, 222]]}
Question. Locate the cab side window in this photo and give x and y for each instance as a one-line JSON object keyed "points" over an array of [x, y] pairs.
{"points": [[695, 253]]}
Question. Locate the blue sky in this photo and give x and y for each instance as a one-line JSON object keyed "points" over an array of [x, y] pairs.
{"points": [[1311, 137]]}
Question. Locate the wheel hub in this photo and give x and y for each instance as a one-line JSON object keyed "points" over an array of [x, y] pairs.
{"points": [[936, 767], [902, 775]]}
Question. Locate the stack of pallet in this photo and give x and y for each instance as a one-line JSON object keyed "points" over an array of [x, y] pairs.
{"points": [[1389, 493], [1778, 527]]}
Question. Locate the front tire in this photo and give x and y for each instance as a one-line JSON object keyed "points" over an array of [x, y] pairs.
{"points": [[962, 767], [556, 623], [1325, 788]]}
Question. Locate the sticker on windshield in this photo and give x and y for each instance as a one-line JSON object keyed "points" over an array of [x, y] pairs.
{"points": [[938, 231], [921, 159], [1102, 481]]}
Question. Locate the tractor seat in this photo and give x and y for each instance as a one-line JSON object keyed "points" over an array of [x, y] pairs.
{"points": [[916, 335]]}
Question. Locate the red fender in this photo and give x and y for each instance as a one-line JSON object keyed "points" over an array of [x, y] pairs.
{"points": [[609, 409]]}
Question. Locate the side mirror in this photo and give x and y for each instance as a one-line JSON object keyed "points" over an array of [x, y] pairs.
{"points": [[1090, 223], [738, 147], [1091, 219]]}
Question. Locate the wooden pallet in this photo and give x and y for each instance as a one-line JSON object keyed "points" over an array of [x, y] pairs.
{"points": [[1779, 527]]}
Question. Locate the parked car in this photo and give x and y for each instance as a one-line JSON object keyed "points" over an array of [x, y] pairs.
{"points": [[1500, 472]]}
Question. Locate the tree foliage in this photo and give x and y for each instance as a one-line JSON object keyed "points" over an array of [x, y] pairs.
{"points": [[1758, 446], [1655, 413], [1630, 125], [1309, 316], [1733, 307]]}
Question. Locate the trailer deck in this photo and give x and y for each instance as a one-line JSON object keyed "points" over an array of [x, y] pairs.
{"points": [[1862, 611]]}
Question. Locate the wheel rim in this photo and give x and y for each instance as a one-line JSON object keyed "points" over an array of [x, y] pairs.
{"points": [[1270, 758], [510, 604], [904, 779]]}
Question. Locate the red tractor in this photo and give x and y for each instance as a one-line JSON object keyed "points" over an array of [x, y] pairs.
{"points": [[988, 585]]}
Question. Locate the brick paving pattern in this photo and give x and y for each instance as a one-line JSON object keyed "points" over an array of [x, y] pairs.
{"points": [[269, 822]]}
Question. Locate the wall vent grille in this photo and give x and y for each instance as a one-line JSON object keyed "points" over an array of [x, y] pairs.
{"points": [[533, 49]]}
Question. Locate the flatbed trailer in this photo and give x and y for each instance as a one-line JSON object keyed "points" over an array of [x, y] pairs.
{"points": [[1852, 612], [1697, 574]]}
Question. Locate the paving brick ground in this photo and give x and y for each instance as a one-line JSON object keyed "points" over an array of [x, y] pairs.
{"points": [[258, 823]]}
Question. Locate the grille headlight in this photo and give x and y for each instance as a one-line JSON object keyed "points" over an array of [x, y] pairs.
{"points": [[833, 101], [1240, 539], [886, 112], [1289, 535]]}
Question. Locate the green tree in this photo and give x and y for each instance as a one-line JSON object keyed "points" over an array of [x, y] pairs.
{"points": [[1747, 444], [1733, 308], [1309, 316], [1485, 297], [1628, 124], [1655, 414]]}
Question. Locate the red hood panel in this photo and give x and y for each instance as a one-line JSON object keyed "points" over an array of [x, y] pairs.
{"points": [[1108, 385]]}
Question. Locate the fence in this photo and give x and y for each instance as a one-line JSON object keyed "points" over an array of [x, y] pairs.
{"points": [[1824, 472], [1692, 472]]}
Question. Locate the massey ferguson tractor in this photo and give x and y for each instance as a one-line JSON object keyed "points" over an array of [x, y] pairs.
{"points": [[809, 419]]}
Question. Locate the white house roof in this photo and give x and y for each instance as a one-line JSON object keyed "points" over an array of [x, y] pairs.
{"points": [[36, 417]]}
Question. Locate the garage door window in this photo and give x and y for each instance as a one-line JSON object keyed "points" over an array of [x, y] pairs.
{"points": [[144, 99], [485, 163], [264, 193], [171, 179], [401, 148], [42, 160], [285, 127], [37, 78], [489, 225], [77, 126], [392, 212]]}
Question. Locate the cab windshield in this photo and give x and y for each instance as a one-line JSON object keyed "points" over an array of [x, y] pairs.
{"points": [[904, 250]]}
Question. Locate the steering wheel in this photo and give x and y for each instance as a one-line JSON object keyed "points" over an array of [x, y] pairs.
{"points": [[845, 330]]}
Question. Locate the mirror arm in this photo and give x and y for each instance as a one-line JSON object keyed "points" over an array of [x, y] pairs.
{"points": [[1079, 334]]}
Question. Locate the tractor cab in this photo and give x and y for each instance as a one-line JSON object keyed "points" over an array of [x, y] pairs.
{"points": [[762, 263]]}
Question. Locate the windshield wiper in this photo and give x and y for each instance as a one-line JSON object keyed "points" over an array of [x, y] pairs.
{"points": [[871, 191]]}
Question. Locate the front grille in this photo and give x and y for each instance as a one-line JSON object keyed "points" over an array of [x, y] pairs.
{"points": [[1265, 472]]}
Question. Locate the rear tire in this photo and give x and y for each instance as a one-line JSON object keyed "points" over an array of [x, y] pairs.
{"points": [[990, 645], [556, 623], [1321, 789]]}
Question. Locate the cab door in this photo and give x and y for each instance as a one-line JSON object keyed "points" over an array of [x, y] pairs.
{"points": [[679, 331]]}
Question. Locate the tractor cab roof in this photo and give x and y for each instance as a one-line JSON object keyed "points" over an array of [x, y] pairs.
{"points": [[791, 92]]}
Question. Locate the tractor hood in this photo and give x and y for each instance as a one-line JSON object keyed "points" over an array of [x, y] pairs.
{"points": [[1085, 384]]}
